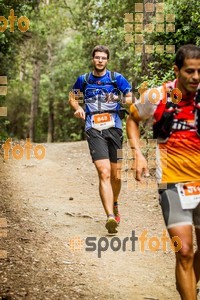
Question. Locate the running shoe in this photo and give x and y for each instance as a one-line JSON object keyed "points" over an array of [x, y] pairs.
{"points": [[116, 213], [111, 224]]}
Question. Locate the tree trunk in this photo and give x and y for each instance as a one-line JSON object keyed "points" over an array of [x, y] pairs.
{"points": [[50, 135], [35, 99]]}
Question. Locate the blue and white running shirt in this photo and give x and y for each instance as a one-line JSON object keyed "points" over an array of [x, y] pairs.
{"points": [[95, 95]]}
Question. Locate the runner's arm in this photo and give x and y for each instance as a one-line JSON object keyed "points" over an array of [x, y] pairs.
{"points": [[128, 99], [74, 103], [133, 134]]}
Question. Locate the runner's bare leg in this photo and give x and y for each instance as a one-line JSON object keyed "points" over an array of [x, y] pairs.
{"points": [[185, 276], [116, 180], [197, 256], [103, 167]]}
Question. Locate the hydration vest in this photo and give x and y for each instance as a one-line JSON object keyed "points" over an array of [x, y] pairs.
{"points": [[112, 76], [167, 124], [87, 80]]}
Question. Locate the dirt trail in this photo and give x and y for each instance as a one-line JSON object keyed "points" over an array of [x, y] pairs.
{"points": [[53, 203]]}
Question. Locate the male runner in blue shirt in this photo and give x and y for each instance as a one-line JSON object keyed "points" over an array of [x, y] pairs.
{"points": [[103, 126]]}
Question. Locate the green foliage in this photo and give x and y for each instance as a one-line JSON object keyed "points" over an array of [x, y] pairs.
{"points": [[61, 37], [9, 49], [187, 30], [10, 41]]}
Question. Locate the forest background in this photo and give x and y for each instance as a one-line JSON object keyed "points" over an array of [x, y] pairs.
{"points": [[42, 63]]}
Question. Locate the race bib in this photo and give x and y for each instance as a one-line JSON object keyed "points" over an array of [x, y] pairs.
{"points": [[102, 121], [189, 194]]}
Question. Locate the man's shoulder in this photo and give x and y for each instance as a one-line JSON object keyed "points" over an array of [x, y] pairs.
{"points": [[117, 74], [83, 78], [79, 82], [119, 78]]}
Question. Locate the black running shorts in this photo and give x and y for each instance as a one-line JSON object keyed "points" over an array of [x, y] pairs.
{"points": [[104, 144]]}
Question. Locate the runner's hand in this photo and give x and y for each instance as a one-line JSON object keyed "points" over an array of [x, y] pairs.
{"points": [[141, 167], [79, 113], [110, 97]]}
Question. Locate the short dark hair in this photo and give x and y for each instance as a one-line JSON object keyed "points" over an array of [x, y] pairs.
{"points": [[184, 52], [101, 48]]}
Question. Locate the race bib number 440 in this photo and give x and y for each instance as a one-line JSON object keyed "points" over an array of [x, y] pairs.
{"points": [[189, 194]]}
